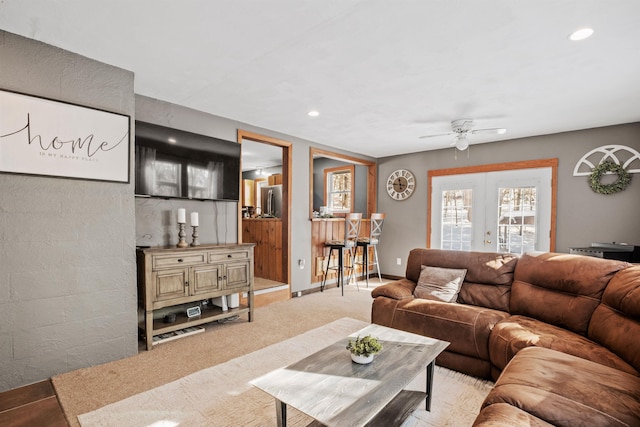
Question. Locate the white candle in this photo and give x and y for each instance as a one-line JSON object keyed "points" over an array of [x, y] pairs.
{"points": [[194, 219], [182, 216]]}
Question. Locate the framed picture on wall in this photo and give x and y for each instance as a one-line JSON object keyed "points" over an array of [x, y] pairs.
{"points": [[40, 136]]}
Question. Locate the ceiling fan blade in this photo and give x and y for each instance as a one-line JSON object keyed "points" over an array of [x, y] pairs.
{"points": [[435, 135], [499, 131]]}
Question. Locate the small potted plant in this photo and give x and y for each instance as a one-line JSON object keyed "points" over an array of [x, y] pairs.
{"points": [[363, 349]]}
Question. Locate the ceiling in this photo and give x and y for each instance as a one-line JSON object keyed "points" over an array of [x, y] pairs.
{"points": [[256, 155], [380, 73]]}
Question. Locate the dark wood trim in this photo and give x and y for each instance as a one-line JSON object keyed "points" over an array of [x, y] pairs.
{"points": [[498, 167]]}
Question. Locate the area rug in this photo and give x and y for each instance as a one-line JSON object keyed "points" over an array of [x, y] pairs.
{"points": [[222, 396]]}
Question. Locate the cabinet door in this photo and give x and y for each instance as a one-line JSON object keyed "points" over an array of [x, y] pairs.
{"points": [[275, 179], [206, 279], [248, 192], [171, 283], [237, 274]]}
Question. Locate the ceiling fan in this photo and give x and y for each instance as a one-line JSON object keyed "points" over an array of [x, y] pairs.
{"points": [[462, 128]]}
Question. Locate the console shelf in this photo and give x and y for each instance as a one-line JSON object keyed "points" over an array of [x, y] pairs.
{"points": [[170, 276], [208, 315]]}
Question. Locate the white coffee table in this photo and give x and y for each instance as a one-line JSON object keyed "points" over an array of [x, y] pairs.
{"points": [[334, 391]]}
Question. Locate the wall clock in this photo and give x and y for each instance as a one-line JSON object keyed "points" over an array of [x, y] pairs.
{"points": [[400, 184]]}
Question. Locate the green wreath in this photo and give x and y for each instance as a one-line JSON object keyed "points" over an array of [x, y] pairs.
{"points": [[624, 178]]}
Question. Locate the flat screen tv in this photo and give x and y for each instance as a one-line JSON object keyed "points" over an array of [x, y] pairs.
{"points": [[172, 163]]}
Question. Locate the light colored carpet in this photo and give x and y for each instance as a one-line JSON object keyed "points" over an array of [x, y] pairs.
{"points": [[222, 396], [88, 389]]}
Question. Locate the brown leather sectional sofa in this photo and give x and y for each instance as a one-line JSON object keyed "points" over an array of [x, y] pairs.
{"points": [[560, 334]]}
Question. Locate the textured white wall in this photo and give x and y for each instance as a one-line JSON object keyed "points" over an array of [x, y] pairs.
{"points": [[67, 248]]}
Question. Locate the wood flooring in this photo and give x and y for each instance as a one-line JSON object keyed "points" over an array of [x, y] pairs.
{"points": [[31, 405]]}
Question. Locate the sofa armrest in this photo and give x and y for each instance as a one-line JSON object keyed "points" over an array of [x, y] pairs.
{"points": [[399, 289]]}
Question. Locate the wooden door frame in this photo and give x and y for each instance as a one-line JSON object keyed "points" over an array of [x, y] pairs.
{"points": [[287, 157], [499, 167]]}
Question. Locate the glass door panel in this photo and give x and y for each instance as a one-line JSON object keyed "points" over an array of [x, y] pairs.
{"points": [[457, 228], [519, 215], [456, 222], [516, 219]]}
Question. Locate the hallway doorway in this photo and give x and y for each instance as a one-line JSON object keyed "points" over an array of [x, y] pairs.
{"points": [[264, 215]]}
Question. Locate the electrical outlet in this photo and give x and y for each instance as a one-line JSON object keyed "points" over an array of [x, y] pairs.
{"points": [[399, 261], [301, 264]]}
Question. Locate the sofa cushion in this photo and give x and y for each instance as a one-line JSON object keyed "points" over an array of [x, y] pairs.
{"points": [[505, 415], [488, 279], [565, 390], [561, 289], [440, 284], [466, 327], [511, 335], [616, 322]]}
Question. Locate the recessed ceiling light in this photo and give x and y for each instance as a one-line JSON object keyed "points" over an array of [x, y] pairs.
{"points": [[581, 34], [313, 113], [171, 140]]}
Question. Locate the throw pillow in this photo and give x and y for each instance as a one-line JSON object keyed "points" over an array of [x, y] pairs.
{"points": [[440, 284]]}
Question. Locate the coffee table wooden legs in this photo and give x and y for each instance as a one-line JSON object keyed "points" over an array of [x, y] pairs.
{"points": [[281, 413]]}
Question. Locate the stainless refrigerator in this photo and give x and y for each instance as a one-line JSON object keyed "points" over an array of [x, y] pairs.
{"points": [[271, 200]]}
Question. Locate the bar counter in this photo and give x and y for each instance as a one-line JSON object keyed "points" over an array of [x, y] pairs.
{"points": [[324, 229]]}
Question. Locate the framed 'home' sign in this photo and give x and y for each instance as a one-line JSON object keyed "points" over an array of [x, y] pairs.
{"points": [[41, 136]]}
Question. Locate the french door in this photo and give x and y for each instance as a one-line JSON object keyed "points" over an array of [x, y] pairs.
{"points": [[502, 211]]}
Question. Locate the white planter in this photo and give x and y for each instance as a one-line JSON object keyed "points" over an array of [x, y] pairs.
{"points": [[363, 360]]}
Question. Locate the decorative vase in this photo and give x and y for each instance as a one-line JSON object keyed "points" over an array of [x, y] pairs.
{"points": [[361, 359]]}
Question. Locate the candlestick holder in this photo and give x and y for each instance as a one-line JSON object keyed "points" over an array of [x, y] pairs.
{"points": [[195, 241], [181, 235]]}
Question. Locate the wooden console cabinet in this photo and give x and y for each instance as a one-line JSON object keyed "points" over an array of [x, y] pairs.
{"points": [[171, 276]]}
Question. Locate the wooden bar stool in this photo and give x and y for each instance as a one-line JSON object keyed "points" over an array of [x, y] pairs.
{"points": [[351, 232], [377, 221]]}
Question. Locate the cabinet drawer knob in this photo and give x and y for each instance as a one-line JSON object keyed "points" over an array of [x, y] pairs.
{"points": [[180, 260], [229, 256]]}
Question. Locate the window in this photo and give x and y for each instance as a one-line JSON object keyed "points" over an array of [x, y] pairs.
{"points": [[517, 219], [456, 219], [339, 189], [168, 178]]}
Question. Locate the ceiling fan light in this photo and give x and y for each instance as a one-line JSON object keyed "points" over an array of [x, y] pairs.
{"points": [[462, 143]]}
